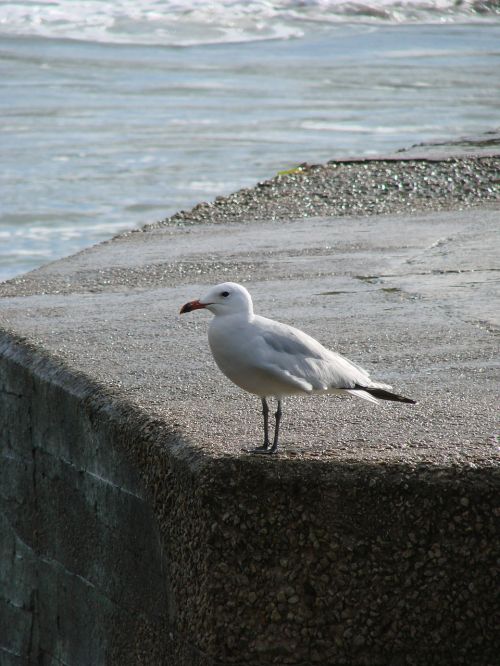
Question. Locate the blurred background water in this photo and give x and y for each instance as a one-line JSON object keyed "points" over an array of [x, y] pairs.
{"points": [[117, 114]]}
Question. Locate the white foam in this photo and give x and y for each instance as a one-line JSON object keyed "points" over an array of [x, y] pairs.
{"points": [[350, 128], [195, 22]]}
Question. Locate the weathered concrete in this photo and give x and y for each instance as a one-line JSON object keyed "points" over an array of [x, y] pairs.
{"points": [[136, 531]]}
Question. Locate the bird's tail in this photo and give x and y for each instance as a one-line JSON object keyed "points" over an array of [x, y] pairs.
{"points": [[376, 393]]}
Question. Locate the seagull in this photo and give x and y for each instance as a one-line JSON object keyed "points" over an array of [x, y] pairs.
{"points": [[270, 359]]}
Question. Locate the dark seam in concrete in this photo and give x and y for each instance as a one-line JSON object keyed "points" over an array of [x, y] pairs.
{"points": [[15, 395]]}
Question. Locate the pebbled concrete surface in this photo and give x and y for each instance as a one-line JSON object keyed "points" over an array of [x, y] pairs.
{"points": [[369, 540], [412, 298]]}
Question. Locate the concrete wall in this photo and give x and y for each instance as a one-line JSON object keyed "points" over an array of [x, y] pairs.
{"points": [[84, 575], [121, 545]]}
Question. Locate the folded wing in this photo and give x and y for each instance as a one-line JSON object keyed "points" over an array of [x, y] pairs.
{"points": [[300, 361]]}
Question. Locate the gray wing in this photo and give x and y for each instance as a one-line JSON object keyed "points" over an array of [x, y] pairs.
{"points": [[299, 356], [289, 344]]}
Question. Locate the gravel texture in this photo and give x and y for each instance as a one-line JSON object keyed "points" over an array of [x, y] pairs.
{"points": [[371, 187]]}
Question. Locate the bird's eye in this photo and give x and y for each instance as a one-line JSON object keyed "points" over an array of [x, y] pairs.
{"points": [[225, 294]]}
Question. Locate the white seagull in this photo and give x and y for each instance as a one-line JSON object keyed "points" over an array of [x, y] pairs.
{"points": [[270, 359]]}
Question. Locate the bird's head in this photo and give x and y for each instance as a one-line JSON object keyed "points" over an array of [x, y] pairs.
{"points": [[225, 298]]}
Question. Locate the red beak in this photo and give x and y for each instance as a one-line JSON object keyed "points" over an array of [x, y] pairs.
{"points": [[192, 305]]}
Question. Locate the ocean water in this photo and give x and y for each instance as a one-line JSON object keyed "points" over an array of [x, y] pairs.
{"points": [[114, 115]]}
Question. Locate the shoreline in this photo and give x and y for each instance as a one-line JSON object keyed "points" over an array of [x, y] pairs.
{"points": [[421, 178], [428, 177], [350, 188]]}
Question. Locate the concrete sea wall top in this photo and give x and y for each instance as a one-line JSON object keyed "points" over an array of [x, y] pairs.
{"points": [[409, 296]]}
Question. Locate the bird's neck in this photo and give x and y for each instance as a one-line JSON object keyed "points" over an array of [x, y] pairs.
{"points": [[241, 316], [228, 324]]}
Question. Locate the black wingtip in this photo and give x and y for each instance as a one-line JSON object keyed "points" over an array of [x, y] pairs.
{"points": [[382, 394]]}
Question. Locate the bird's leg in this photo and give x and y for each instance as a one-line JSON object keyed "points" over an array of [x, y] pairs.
{"points": [[276, 428], [265, 414]]}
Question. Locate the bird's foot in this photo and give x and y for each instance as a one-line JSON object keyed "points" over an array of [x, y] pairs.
{"points": [[261, 450]]}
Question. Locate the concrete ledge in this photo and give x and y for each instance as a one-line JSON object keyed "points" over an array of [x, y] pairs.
{"points": [[138, 550], [134, 530]]}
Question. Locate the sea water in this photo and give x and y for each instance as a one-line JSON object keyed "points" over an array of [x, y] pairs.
{"points": [[117, 114]]}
